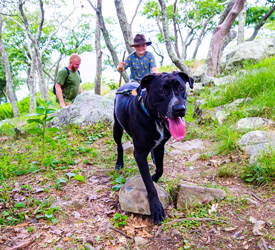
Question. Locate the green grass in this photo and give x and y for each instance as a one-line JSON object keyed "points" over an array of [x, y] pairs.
{"points": [[262, 172], [258, 84]]}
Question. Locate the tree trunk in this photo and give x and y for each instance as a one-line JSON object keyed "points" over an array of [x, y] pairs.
{"points": [[11, 94], [124, 25], [57, 67], [241, 25], [98, 59], [31, 85], [187, 41], [226, 11], [218, 35], [176, 60], [5, 94], [35, 41], [106, 36], [200, 38], [44, 91], [175, 28], [261, 24]]}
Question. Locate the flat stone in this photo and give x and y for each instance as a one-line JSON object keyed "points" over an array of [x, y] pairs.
{"points": [[192, 195]]}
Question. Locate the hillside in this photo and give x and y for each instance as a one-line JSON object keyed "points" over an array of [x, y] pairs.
{"points": [[65, 199]]}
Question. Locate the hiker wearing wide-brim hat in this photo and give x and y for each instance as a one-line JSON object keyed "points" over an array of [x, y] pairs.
{"points": [[140, 62], [139, 40]]}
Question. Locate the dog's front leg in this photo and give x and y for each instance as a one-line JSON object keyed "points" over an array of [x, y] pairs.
{"points": [[157, 212], [117, 134], [158, 153]]}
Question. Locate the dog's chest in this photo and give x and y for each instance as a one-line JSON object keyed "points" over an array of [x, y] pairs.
{"points": [[160, 128]]}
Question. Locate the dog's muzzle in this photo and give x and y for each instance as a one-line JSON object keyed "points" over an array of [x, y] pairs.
{"points": [[179, 110]]}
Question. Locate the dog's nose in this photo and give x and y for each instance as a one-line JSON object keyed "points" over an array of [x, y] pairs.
{"points": [[179, 110]]}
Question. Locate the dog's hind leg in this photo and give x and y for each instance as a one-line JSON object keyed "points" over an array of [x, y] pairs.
{"points": [[153, 156], [117, 134], [158, 153]]}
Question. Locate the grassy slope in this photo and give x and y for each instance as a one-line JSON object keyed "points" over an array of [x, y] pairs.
{"points": [[78, 148]]}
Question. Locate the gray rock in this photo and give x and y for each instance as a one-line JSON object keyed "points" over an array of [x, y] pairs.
{"points": [[176, 234], [6, 121], [128, 147], [133, 196], [207, 80], [211, 80], [253, 123], [198, 73], [140, 241], [256, 142], [194, 157], [251, 51], [76, 204], [199, 107], [62, 204], [192, 195], [224, 80], [189, 145], [175, 153], [219, 113], [86, 108]]}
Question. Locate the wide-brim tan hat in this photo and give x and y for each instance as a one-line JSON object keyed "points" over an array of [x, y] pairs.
{"points": [[140, 39]]}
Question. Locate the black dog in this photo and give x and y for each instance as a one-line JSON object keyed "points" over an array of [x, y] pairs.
{"points": [[150, 115]]}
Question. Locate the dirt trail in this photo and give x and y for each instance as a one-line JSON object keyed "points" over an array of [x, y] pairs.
{"points": [[87, 209]]}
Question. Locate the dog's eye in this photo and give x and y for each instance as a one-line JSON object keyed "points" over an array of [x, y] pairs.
{"points": [[164, 89], [181, 88]]}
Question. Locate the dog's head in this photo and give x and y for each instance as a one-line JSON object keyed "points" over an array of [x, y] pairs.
{"points": [[166, 98]]}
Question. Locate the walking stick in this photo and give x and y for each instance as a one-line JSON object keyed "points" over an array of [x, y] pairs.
{"points": [[121, 71]]}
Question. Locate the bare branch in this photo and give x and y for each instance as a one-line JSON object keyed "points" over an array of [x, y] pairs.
{"points": [[131, 23]]}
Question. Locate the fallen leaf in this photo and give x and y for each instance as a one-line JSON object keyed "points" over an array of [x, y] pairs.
{"points": [[252, 219], [259, 225], [213, 208], [129, 229], [144, 234], [229, 229]]}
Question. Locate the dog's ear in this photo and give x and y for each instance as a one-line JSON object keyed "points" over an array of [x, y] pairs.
{"points": [[186, 78], [145, 81]]}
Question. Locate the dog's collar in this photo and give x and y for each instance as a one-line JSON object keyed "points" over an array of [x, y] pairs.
{"points": [[140, 98], [141, 102]]}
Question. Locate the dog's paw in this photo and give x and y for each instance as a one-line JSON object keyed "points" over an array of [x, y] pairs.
{"points": [[119, 166], [155, 178], [157, 212]]}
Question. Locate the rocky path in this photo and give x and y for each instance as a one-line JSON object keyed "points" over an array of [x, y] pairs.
{"points": [[245, 219]]}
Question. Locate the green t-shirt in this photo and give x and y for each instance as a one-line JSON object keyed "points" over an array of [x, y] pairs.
{"points": [[70, 88]]}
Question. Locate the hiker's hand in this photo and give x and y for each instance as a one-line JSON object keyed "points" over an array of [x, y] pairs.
{"points": [[62, 104], [120, 67]]}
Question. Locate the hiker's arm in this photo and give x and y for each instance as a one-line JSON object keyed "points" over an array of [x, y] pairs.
{"points": [[80, 89], [59, 95]]}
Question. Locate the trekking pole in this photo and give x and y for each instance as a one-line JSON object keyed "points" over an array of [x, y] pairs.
{"points": [[121, 71]]}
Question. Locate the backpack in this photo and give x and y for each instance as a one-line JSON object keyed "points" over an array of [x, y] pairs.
{"points": [[68, 72]]}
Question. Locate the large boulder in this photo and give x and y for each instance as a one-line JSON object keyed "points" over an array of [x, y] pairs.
{"points": [[251, 52], [86, 108]]}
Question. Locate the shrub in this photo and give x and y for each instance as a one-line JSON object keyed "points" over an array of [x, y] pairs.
{"points": [[263, 170]]}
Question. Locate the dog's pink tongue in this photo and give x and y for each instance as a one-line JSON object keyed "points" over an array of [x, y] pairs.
{"points": [[177, 128]]}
